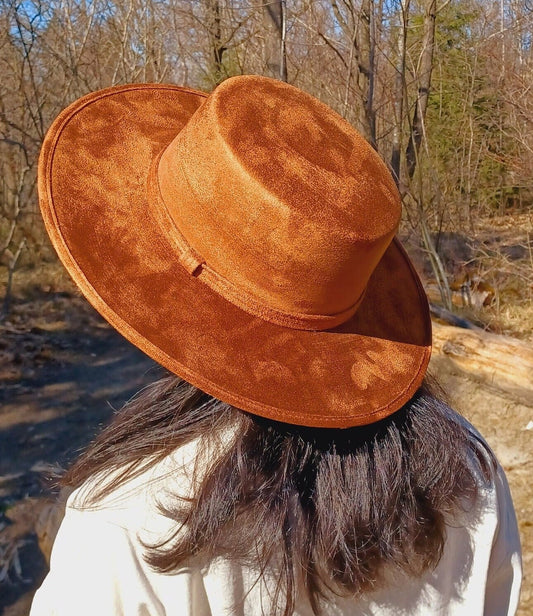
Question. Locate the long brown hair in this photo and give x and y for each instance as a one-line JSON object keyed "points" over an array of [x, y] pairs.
{"points": [[333, 508]]}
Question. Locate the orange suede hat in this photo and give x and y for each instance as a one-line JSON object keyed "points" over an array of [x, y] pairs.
{"points": [[245, 241]]}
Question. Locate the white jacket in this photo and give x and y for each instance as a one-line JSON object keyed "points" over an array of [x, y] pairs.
{"points": [[97, 566]]}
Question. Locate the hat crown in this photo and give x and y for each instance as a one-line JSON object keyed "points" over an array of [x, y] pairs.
{"points": [[276, 195]]}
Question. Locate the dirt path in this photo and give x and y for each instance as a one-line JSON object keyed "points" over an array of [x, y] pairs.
{"points": [[63, 370], [59, 382]]}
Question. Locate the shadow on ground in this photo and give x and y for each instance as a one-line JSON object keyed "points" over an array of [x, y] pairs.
{"points": [[60, 382]]}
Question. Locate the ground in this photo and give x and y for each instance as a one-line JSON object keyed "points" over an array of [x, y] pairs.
{"points": [[507, 425], [63, 371], [60, 379]]}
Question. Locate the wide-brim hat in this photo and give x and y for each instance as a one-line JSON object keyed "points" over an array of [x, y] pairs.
{"points": [[245, 241]]}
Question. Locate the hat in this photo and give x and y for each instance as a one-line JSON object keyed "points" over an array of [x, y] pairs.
{"points": [[245, 241]]}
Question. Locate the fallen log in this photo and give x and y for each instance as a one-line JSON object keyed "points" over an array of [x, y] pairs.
{"points": [[500, 362], [452, 319]]}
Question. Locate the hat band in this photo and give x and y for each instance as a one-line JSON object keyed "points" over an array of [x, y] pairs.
{"points": [[195, 265]]}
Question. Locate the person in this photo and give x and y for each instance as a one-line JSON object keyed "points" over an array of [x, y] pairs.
{"points": [[296, 459]]}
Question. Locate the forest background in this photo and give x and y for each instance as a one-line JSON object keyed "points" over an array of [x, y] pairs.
{"points": [[442, 90]]}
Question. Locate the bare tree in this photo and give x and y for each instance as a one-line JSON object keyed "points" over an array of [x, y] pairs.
{"points": [[215, 39], [275, 29], [358, 26], [423, 78], [398, 98], [12, 190], [441, 91]]}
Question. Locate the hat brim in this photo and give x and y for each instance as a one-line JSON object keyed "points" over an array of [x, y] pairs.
{"points": [[93, 174]]}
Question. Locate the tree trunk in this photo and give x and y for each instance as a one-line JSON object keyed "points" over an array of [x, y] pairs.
{"points": [[424, 84], [215, 34], [275, 22], [365, 73], [399, 93]]}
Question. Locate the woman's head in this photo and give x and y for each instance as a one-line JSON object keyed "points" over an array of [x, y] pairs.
{"points": [[331, 509]]}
